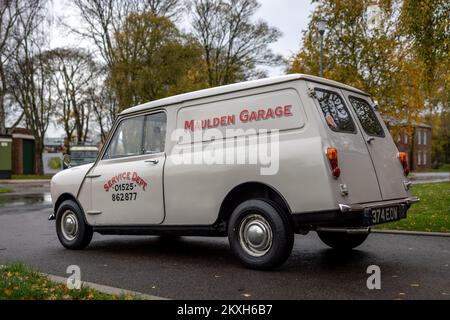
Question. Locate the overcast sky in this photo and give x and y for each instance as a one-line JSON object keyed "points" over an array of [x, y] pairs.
{"points": [[289, 16]]}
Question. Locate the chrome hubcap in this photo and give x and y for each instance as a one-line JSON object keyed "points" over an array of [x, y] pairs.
{"points": [[255, 235], [69, 225]]}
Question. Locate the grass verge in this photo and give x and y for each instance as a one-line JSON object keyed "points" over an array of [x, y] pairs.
{"points": [[431, 214], [20, 282], [30, 177], [443, 168], [6, 190]]}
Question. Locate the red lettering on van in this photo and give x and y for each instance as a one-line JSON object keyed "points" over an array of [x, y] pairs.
{"points": [[125, 176], [287, 111], [245, 116], [189, 125]]}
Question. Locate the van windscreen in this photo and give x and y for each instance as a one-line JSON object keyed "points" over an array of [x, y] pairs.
{"points": [[335, 112], [367, 117]]}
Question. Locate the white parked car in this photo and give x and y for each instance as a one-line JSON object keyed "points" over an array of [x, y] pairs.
{"points": [[257, 161]]}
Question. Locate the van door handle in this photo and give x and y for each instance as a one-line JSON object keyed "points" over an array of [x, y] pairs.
{"points": [[369, 141], [155, 162], [93, 176]]}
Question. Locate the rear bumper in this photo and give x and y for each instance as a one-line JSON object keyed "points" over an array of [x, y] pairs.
{"points": [[348, 216], [344, 208]]}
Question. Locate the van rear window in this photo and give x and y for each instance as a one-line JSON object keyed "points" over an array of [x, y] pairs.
{"points": [[367, 117], [335, 112]]}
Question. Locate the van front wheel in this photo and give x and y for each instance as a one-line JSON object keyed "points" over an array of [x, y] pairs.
{"points": [[341, 240], [260, 234], [72, 231]]}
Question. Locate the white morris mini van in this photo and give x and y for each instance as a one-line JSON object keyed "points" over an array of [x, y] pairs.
{"points": [[190, 165]]}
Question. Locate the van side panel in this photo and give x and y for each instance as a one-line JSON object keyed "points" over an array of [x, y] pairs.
{"points": [[194, 192], [267, 110]]}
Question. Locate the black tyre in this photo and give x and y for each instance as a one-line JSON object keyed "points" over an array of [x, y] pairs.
{"points": [[72, 231], [260, 234], [341, 240]]}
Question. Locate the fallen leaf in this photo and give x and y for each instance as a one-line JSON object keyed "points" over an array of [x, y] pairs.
{"points": [[415, 285]]}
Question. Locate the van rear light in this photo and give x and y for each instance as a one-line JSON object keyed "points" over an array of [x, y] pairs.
{"points": [[332, 155], [403, 157]]}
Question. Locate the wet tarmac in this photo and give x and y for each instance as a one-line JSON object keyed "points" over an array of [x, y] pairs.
{"points": [[22, 203], [412, 267]]}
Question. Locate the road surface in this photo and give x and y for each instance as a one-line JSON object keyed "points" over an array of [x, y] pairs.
{"points": [[412, 267]]}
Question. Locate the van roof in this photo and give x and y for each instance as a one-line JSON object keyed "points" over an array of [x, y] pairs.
{"points": [[234, 88]]}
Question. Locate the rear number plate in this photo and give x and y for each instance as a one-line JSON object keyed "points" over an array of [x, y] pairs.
{"points": [[387, 214]]}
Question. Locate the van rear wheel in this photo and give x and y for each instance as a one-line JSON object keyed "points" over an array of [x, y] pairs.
{"points": [[260, 234], [342, 240]]}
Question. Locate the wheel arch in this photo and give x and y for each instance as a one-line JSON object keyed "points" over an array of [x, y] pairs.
{"points": [[64, 197], [247, 191]]}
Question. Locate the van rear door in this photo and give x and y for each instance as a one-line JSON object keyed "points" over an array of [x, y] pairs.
{"points": [[380, 144], [357, 171]]}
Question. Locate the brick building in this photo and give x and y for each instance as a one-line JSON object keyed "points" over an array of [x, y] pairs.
{"points": [[416, 142], [23, 156]]}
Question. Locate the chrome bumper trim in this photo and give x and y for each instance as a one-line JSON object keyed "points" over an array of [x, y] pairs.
{"points": [[345, 208], [345, 230], [412, 200]]}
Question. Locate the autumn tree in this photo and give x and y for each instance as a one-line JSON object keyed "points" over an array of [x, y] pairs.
{"points": [[425, 26], [153, 59], [101, 19], [233, 44], [15, 20], [74, 75], [104, 105], [30, 76], [358, 50], [395, 50]]}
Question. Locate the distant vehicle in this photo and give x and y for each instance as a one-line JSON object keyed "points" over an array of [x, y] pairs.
{"points": [[81, 155]]}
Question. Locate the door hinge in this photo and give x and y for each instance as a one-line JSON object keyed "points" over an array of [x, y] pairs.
{"points": [[311, 92], [344, 190], [407, 185]]}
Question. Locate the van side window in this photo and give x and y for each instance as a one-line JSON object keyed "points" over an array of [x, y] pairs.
{"points": [[367, 117], [335, 112], [127, 139], [155, 133]]}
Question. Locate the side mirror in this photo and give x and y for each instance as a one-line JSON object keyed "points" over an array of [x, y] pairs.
{"points": [[66, 161]]}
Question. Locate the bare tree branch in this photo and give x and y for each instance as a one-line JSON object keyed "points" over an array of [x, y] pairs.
{"points": [[233, 44]]}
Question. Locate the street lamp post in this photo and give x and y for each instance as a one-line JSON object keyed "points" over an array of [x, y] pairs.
{"points": [[321, 26]]}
